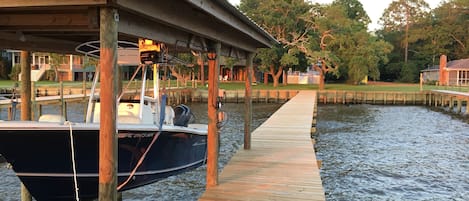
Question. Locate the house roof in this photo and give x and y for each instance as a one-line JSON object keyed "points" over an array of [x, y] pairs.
{"points": [[458, 64]]}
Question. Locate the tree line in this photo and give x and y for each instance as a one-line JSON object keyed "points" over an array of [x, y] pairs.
{"points": [[334, 40]]}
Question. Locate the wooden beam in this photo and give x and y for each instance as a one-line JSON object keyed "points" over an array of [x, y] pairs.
{"points": [[43, 19], [33, 43], [248, 102], [212, 141], [29, 3], [230, 15], [200, 23], [108, 95]]}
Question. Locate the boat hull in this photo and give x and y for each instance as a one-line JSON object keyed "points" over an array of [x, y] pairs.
{"points": [[44, 164]]}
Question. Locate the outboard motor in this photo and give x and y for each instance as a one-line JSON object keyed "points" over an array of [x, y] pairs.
{"points": [[182, 115]]}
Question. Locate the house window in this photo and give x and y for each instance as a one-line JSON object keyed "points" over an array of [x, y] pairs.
{"points": [[16, 58], [36, 59], [463, 78]]}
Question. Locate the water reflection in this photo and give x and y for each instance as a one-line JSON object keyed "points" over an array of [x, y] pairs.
{"points": [[392, 153]]}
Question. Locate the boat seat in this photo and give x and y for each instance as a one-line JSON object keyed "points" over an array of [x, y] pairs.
{"points": [[128, 119], [51, 118], [128, 113], [169, 116]]}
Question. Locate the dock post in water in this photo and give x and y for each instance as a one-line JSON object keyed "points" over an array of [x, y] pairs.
{"points": [[248, 102], [25, 103], [107, 132], [212, 138], [467, 106], [63, 107], [34, 104]]}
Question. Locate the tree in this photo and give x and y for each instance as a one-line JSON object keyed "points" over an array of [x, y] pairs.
{"points": [[229, 63], [450, 33], [5, 65], [179, 67], [274, 60], [368, 54], [55, 60], [354, 11], [401, 15], [283, 19], [15, 72]]}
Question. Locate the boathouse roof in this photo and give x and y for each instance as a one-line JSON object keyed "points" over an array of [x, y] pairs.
{"points": [[183, 25]]}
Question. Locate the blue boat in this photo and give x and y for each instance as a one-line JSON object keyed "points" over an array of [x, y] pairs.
{"points": [[58, 160]]}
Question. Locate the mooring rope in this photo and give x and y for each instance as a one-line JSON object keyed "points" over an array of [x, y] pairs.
{"points": [[72, 147], [140, 161]]}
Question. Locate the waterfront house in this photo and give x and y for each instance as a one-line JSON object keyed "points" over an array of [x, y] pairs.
{"points": [[451, 73], [70, 67]]}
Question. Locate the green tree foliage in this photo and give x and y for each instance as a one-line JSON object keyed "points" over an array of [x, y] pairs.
{"points": [[449, 33], [409, 72], [331, 37], [401, 15], [15, 72], [55, 60], [354, 11], [423, 35], [229, 63], [3, 68], [182, 67], [5, 64], [283, 19], [360, 52]]}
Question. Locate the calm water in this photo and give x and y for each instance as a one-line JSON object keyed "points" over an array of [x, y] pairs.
{"points": [[392, 153], [186, 186]]}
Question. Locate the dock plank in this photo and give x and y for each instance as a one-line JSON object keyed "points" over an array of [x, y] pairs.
{"points": [[281, 164]]}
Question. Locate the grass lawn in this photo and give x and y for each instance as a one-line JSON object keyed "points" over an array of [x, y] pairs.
{"points": [[372, 86]]}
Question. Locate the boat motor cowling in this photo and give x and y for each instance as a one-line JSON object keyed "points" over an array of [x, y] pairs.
{"points": [[182, 115]]}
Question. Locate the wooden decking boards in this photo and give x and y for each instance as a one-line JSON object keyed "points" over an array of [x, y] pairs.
{"points": [[281, 164]]}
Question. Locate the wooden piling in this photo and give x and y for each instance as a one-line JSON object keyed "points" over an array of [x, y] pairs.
{"points": [[467, 106], [212, 139], [63, 105], [248, 102], [107, 135], [25, 104], [34, 104]]}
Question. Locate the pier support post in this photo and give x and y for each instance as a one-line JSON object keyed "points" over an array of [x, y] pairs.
{"points": [[467, 106], [25, 62], [451, 103], [248, 102], [63, 107], [108, 94], [34, 105], [213, 137]]}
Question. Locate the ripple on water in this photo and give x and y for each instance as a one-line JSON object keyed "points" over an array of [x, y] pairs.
{"points": [[392, 153]]}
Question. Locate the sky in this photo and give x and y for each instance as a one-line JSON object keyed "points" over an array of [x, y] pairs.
{"points": [[374, 8]]}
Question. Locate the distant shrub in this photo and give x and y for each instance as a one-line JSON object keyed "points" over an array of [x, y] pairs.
{"points": [[15, 72]]}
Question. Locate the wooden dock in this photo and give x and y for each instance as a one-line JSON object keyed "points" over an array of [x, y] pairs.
{"points": [[281, 164]]}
